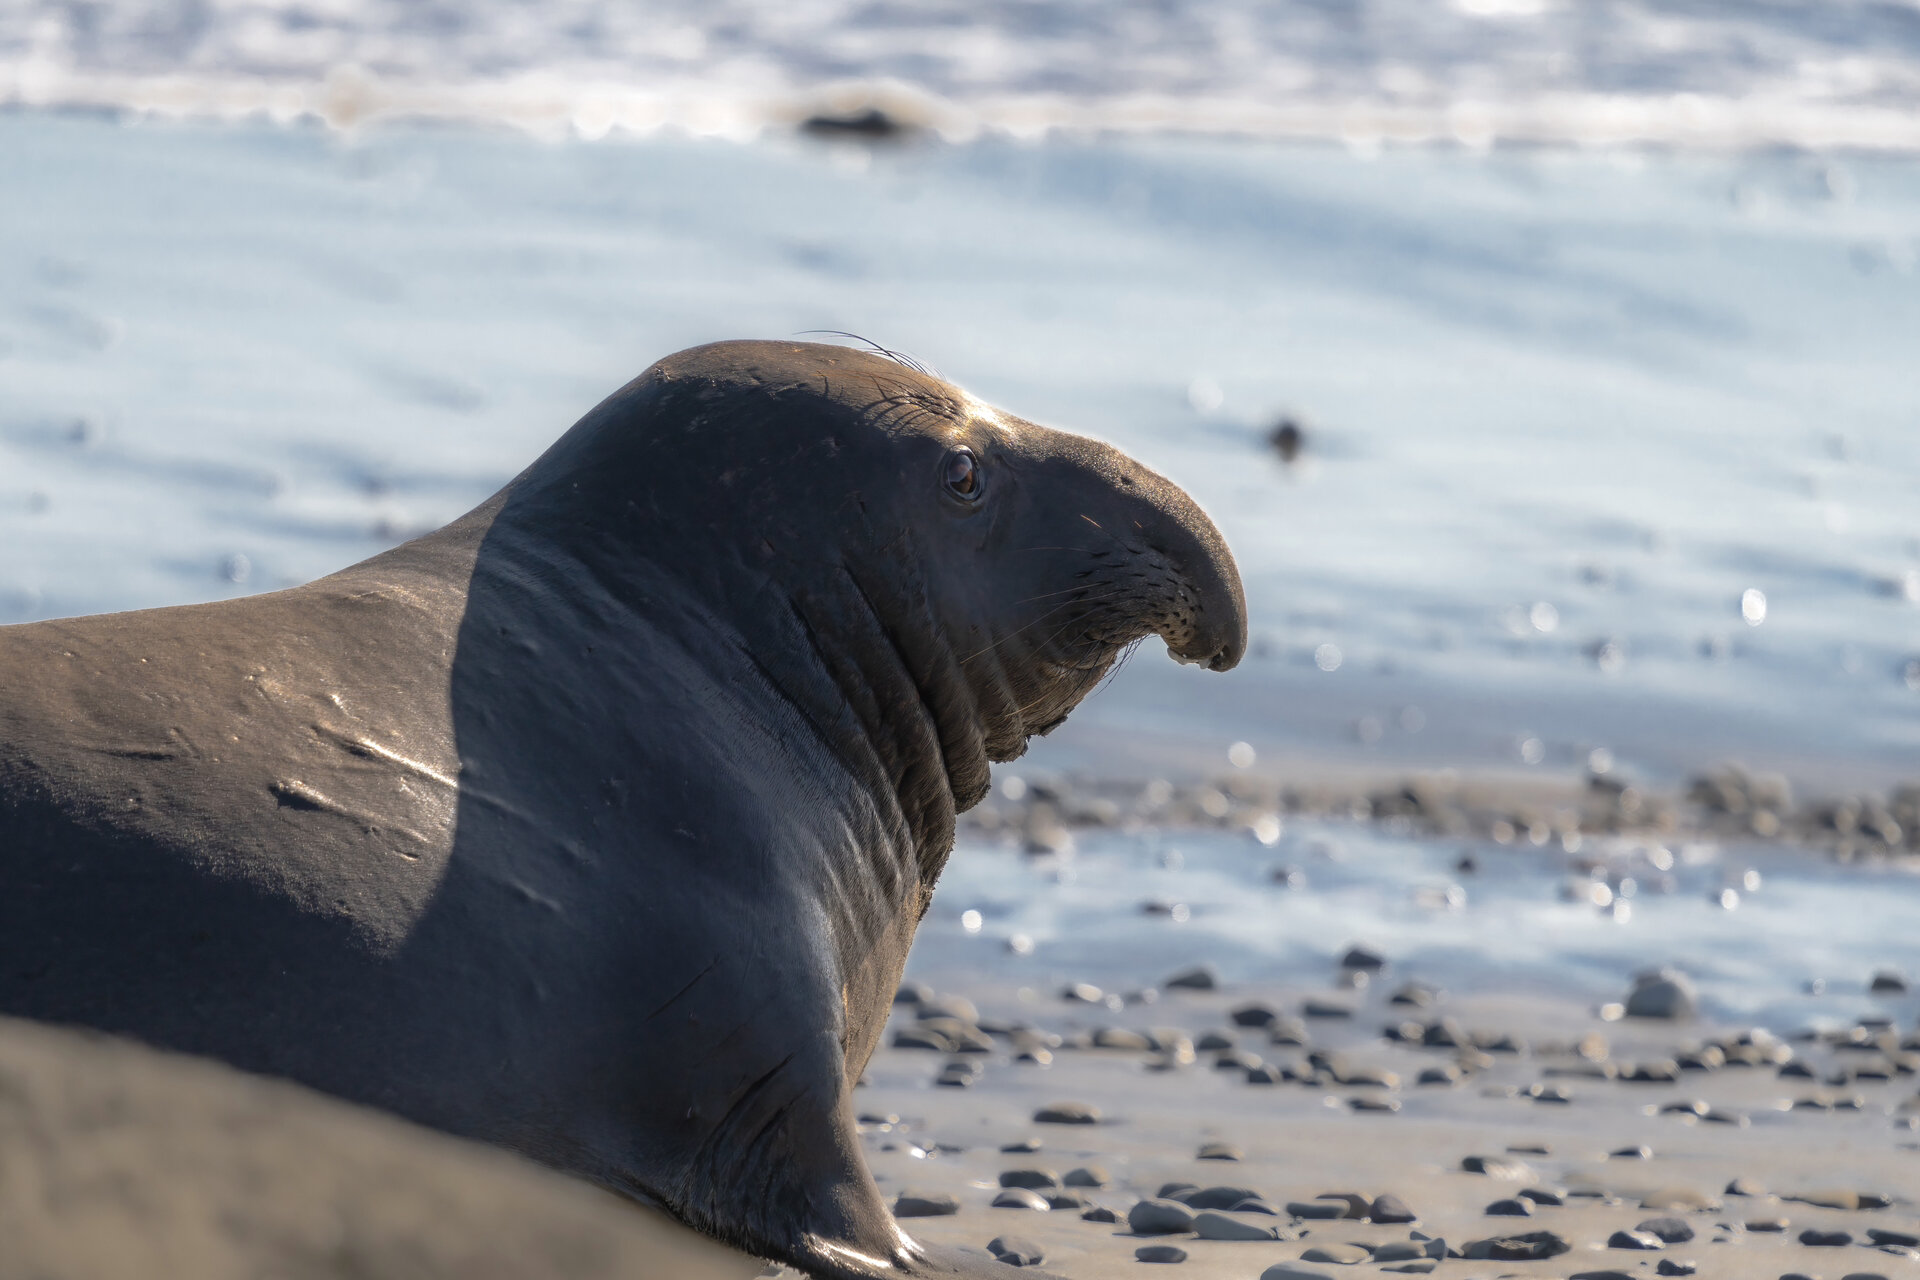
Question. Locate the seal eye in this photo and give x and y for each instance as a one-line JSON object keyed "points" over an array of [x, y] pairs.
{"points": [[962, 474]]}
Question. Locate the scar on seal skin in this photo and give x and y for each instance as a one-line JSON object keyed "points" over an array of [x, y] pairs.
{"points": [[597, 824]]}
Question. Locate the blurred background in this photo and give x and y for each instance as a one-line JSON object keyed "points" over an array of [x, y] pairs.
{"points": [[1549, 367]]}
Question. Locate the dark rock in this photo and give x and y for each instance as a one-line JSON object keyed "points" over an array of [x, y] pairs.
{"points": [[1317, 1008], [1213, 1042], [1067, 1113], [1364, 958], [1345, 1255], [1159, 1218], [1884, 1235], [1501, 1167], [1023, 1146], [1356, 1205], [1032, 1179], [1634, 1240], [1529, 1246], [1825, 1239], [1287, 439], [1099, 1213], [929, 1205], [1021, 1198], [1288, 1031], [1176, 1191], [1373, 1104], [1768, 1226], [868, 124], [1091, 1175], [1675, 1267], [1215, 1197], [1547, 1196], [1391, 1209], [1215, 1225], [1266, 1073], [1605, 1274], [1254, 1015], [1641, 1152], [1670, 1230], [922, 1038], [1745, 1187], [1199, 977], [913, 993], [1512, 1208], [1324, 1210], [1160, 1253], [1667, 994], [1888, 982], [1016, 1252], [1066, 1200], [1444, 1074]]}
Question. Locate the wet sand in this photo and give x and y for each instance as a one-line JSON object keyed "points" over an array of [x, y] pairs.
{"points": [[1550, 1089]]}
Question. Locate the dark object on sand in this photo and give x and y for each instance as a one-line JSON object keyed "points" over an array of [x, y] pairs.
{"points": [[598, 823], [1288, 438], [868, 124]]}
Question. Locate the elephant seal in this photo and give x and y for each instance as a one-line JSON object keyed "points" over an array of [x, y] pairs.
{"points": [[597, 824]]}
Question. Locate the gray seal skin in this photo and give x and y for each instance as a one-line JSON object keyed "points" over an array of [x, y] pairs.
{"points": [[597, 824]]}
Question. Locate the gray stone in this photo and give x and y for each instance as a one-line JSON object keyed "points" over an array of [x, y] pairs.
{"points": [[1016, 1252], [1033, 1179], [1159, 1218], [1316, 1209], [1091, 1175], [1670, 1230], [1675, 1267], [1199, 977], [1212, 1197], [1220, 1151], [1391, 1209], [1634, 1240], [1293, 1271], [1345, 1255], [1021, 1198], [932, 1204], [1667, 994], [1160, 1253], [1215, 1225], [1067, 1113], [1099, 1213], [1528, 1246], [1512, 1208]]}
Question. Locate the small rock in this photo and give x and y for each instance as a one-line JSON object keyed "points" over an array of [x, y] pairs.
{"points": [[1675, 1267], [1065, 1200], [1883, 1235], [1344, 1255], [1355, 1204], [1121, 1038], [1825, 1239], [1175, 1191], [1365, 958], [1253, 1015], [1444, 1074], [1215, 1225], [1529, 1246], [922, 1038], [1021, 1198], [1768, 1226], [1421, 1267], [1512, 1208], [1033, 1179], [1497, 1167], [1548, 1196], [1016, 1252], [1830, 1199], [1091, 1175], [1888, 982], [1067, 1113], [1199, 977], [1391, 1209], [1021, 1146], [1099, 1213], [958, 1008], [1214, 1197], [1317, 1210], [1318, 1008], [1159, 1218], [1745, 1187], [1373, 1104], [1680, 1198], [1292, 1271], [1670, 1230], [1399, 1251], [1220, 1151], [1641, 1152], [1606, 1274], [1160, 1253], [1213, 1042], [912, 993], [931, 1205], [1667, 994]]}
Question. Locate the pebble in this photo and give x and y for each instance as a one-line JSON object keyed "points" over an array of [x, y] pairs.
{"points": [[1267, 1073], [1067, 1113], [1530, 1246], [911, 1204], [1120, 1038], [958, 1008], [1607, 1274], [1402, 1250], [1214, 1225], [1745, 1187], [1316, 1210], [1373, 1104], [1175, 1191], [959, 1075], [1021, 1198], [1670, 1230], [1675, 1267], [1906, 1239], [1547, 1196], [1366, 958], [1099, 1213], [1447, 1074], [1159, 1218], [1344, 1255], [1667, 993], [1677, 1198], [1497, 1167], [1215, 1197], [1160, 1253], [1292, 1271], [1641, 1152], [1634, 1240], [1288, 1031], [1220, 1151], [1254, 1015], [1825, 1239], [1021, 1146], [1033, 1179], [1390, 1208], [1090, 1175], [922, 1038], [1513, 1208], [913, 993], [1421, 1266], [1767, 1226], [1016, 1252], [1213, 1042], [1066, 1200], [1199, 977], [1317, 1008]]}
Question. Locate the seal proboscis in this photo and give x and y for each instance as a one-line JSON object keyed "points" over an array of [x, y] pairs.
{"points": [[597, 824]]}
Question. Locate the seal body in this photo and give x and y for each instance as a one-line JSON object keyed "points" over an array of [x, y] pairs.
{"points": [[597, 824]]}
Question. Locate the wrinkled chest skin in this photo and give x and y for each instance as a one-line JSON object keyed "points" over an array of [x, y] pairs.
{"points": [[596, 825]]}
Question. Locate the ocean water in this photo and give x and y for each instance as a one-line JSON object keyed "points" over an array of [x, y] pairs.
{"points": [[1604, 448]]}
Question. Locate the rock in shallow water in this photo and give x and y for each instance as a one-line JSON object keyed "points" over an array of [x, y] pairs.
{"points": [[1160, 1253], [1215, 1225], [1016, 1252], [1390, 1208], [1666, 994], [1345, 1255], [1529, 1246], [1634, 1240], [1067, 1113], [1021, 1198]]}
